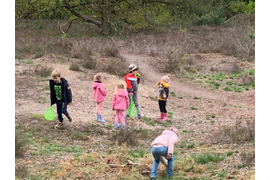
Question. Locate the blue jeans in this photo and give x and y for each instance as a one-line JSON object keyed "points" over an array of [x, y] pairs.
{"points": [[61, 108], [157, 152]]}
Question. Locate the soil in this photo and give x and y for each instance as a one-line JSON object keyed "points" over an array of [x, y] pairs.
{"points": [[228, 107], [29, 89]]}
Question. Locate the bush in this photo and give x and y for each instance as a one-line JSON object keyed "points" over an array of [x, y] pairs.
{"points": [[240, 132], [89, 63], [116, 66], [74, 67], [43, 70], [112, 52]]}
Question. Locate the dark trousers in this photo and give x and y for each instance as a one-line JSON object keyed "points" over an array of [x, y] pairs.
{"points": [[162, 106], [61, 108]]}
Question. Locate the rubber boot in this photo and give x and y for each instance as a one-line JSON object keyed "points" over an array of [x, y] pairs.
{"points": [[101, 118], [161, 116], [165, 117]]}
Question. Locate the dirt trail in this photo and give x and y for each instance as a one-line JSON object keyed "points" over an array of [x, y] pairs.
{"points": [[189, 89], [83, 105]]}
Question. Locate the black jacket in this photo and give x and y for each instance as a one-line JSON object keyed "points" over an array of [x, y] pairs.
{"points": [[66, 92]]}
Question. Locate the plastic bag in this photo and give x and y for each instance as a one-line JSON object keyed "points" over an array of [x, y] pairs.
{"points": [[132, 110], [49, 114]]}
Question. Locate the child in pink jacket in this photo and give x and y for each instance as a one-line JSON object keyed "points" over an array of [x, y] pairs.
{"points": [[99, 93], [161, 147], [120, 103]]}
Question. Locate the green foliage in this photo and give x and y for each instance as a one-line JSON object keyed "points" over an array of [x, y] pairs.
{"points": [[215, 16], [193, 108], [208, 157], [241, 6], [148, 121], [135, 15]]}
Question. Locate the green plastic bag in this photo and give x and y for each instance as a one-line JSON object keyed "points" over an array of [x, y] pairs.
{"points": [[132, 110], [49, 114]]}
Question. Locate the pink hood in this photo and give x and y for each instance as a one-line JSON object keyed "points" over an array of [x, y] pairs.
{"points": [[120, 100], [99, 92], [167, 139]]}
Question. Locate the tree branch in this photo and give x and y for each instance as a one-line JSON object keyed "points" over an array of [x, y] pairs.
{"points": [[83, 17]]}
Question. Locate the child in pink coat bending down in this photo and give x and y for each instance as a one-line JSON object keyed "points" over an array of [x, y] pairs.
{"points": [[120, 103], [99, 93]]}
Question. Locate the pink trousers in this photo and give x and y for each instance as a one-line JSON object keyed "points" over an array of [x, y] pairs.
{"points": [[99, 107], [119, 114]]}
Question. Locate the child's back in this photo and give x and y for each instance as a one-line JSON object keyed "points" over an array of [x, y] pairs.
{"points": [[120, 100]]}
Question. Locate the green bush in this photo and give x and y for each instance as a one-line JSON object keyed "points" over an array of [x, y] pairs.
{"points": [[243, 7]]}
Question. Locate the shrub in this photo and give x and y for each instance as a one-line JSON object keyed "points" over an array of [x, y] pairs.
{"points": [[116, 66], [89, 63], [74, 67], [43, 70], [112, 52], [241, 131]]}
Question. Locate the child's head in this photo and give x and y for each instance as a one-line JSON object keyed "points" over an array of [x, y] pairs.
{"points": [[98, 77], [166, 78], [56, 74], [132, 69], [173, 129], [120, 85]]}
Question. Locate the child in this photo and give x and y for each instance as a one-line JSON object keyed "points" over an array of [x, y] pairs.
{"points": [[60, 93], [163, 94], [133, 79], [99, 93], [161, 147], [120, 103]]}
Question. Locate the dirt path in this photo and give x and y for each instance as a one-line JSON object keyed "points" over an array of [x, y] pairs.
{"points": [[145, 63], [82, 109]]}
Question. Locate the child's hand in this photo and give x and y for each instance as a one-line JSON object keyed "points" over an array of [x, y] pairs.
{"points": [[169, 156], [131, 94]]}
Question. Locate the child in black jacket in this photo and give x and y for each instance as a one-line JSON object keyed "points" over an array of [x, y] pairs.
{"points": [[60, 93]]}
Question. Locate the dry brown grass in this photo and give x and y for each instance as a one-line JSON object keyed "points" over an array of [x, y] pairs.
{"points": [[240, 132], [235, 38]]}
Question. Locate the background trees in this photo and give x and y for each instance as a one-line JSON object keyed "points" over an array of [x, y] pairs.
{"points": [[114, 15]]}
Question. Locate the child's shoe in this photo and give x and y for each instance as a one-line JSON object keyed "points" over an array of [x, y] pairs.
{"points": [[97, 117], [161, 116], [59, 125], [165, 117], [116, 125], [139, 116], [69, 118], [123, 126], [126, 115], [101, 119]]}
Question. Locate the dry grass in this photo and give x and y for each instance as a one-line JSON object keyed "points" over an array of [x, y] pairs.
{"points": [[240, 132], [235, 38]]}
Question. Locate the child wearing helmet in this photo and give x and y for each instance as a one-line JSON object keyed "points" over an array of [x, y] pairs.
{"points": [[132, 80]]}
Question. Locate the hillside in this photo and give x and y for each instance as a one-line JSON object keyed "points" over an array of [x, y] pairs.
{"points": [[209, 120]]}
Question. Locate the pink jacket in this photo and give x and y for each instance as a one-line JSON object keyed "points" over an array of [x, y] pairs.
{"points": [[120, 100], [167, 139], [99, 92]]}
